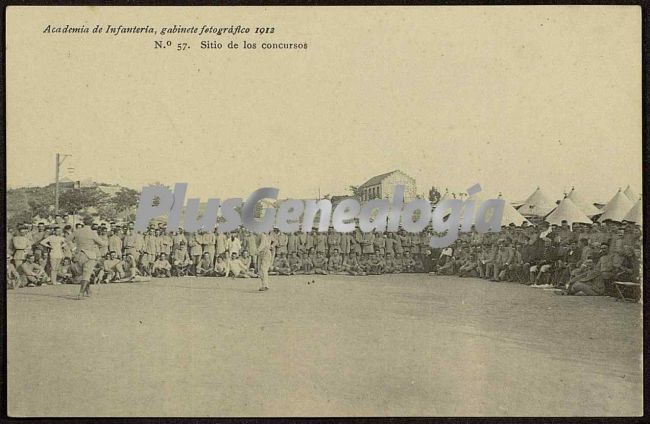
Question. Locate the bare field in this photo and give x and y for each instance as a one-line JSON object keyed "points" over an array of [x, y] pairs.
{"points": [[362, 346]]}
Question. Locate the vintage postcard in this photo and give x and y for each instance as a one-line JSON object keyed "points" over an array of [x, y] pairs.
{"points": [[324, 211]]}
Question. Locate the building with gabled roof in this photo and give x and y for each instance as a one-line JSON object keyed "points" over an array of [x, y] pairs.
{"points": [[382, 186]]}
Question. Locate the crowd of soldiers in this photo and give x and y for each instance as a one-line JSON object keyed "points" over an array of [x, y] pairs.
{"points": [[582, 259]]}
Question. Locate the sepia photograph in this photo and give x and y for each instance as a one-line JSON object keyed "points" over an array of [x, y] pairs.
{"points": [[309, 211]]}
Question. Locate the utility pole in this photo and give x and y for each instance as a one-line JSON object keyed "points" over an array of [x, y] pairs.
{"points": [[59, 162]]}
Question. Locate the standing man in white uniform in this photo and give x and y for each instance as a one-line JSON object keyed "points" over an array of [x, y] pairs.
{"points": [[264, 257]]}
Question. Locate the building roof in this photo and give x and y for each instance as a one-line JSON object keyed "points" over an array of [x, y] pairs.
{"points": [[379, 178], [110, 190]]}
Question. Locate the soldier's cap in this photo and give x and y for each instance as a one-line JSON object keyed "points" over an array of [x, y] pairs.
{"points": [[182, 242], [112, 251], [30, 255], [41, 224]]}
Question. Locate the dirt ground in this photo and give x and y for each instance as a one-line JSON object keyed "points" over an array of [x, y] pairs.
{"points": [[361, 346]]}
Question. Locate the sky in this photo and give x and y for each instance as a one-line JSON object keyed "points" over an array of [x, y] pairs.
{"points": [[508, 97]]}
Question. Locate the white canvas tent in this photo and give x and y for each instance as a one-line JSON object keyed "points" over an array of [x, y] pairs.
{"points": [[636, 213], [510, 214], [616, 208], [585, 206], [567, 211], [537, 204], [631, 194]]}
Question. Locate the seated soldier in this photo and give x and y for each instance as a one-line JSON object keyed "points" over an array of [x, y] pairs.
{"points": [[335, 264], [282, 264], [468, 266], [375, 267], [112, 268], [593, 281], [181, 260], [146, 264], [427, 260], [307, 262], [235, 268], [581, 280], [490, 262], [65, 273], [98, 272], [389, 262], [13, 277], [320, 264], [162, 267], [33, 273], [351, 264], [397, 263], [247, 260], [515, 266], [408, 263], [220, 266], [382, 261], [295, 263], [624, 264], [481, 260], [129, 268], [418, 265], [204, 267], [500, 261], [364, 262]]}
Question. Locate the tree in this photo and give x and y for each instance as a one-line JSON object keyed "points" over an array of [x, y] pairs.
{"points": [[156, 200], [356, 191], [75, 200], [40, 201], [107, 210], [125, 199], [434, 195]]}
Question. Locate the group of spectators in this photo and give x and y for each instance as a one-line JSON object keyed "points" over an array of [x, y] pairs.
{"points": [[582, 259]]}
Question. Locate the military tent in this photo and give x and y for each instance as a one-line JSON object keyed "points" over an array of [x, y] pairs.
{"points": [[510, 214], [537, 204], [616, 208], [567, 211], [585, 206], [631, 194], [636, 213]]}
